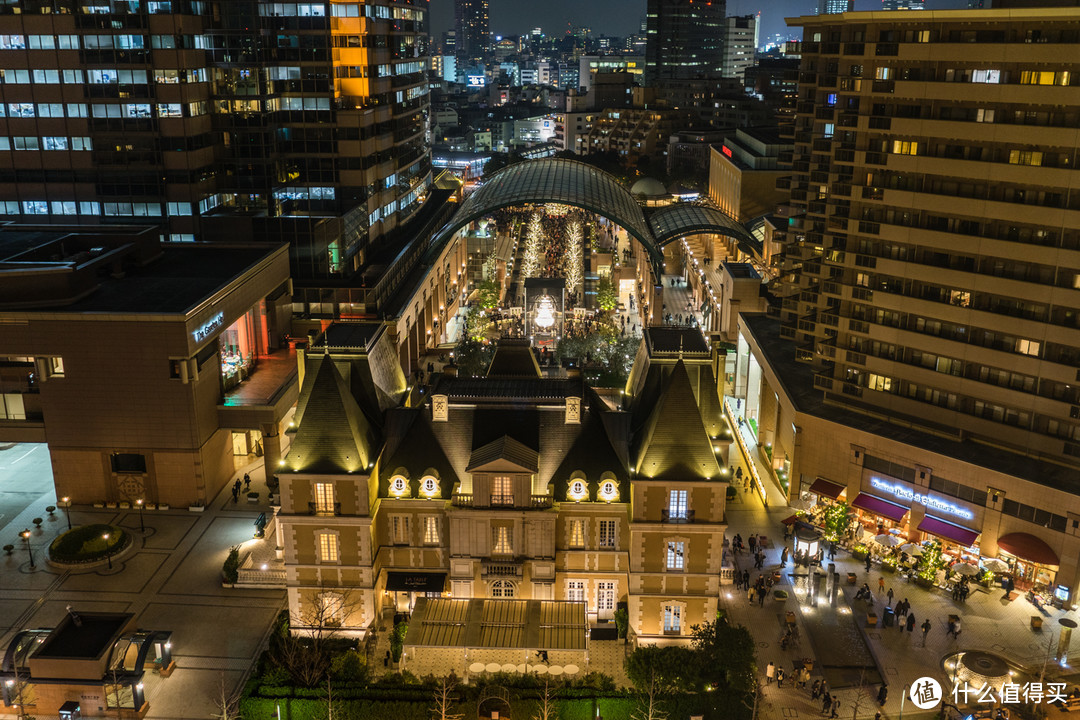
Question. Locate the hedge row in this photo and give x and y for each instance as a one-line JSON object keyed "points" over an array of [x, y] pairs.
{"points": [[610, 708]]}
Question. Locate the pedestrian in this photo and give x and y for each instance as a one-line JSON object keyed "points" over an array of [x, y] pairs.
{"points": [[761, 597], [911, 623], [770, 673], [826, 703], [247, 481], [750, 594], [783, 557], [746, 578], [236, 486], [815, 690], [890, 594], [832, 551], [235, 495], [877, 715], [835, 708], [883, 695], [902, 608], [779, 677], [867, 562], [752, 542], [925, 629], [956, 630], [881, 584], [951, 629]]}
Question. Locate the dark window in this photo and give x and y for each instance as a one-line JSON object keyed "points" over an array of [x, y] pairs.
{"points": [[128, 463]]}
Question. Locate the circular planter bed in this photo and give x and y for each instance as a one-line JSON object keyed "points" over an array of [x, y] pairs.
{"points": [[86, 544]]}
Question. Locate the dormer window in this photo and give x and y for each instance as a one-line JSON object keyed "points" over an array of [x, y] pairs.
{"points": [[609, 491], [399, 486], [429, 486], [577, 490]]}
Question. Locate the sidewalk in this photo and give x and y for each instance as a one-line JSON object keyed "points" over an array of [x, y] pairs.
{"points": [[989, 624]]}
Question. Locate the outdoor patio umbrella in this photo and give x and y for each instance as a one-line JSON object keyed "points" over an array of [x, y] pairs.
{"points": [[911, 549], [887, 540], [995, 565], [968, 569]]}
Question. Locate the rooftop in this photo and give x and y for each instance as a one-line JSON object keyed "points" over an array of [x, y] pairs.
{"points": [[672, 340], [798, 381], [84, 635]]}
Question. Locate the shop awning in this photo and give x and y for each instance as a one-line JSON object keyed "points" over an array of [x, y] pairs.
{"points": [[877, 506], [791, 519], [415, 581], [943, 529], [822, 486], [1028, 547]]}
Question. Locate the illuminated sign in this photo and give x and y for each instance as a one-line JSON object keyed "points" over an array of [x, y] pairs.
{"points": [[209, 326], [929, 501], [474, 80], [726, 150]]}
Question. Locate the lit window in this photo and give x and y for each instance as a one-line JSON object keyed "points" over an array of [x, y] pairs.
{"points": [[905, 147], [324, 497], [577, 533], [675, 555], [607, 534], [1025, 157], [987, 76], [501, 541], [502, 492], [328, 547], [672, 619], [677, 504], [431, 530], [398, 486], [429, 486], [1027, 347], [879, 383], [605, 596], [609, 491], [577, 490], [883, 73]]}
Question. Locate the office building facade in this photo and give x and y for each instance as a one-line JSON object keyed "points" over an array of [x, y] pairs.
{"points": [[472, 35], [684, 40], [301, 123], [831, 7], [740, 45]]}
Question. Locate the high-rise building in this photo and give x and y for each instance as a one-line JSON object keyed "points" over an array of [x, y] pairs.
{"points": [[903, 4], [740, 45], [922, 353], [242, 119], [684, 40], [832, 7], [473, 35]]}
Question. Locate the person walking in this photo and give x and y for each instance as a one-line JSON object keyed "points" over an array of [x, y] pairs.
{"points": [[956, 629], [770, 673], [835, 708], [881, 584], [247, 481], [951, 629], [746, 578], [925, 630], [867, 562], [826, 703], [779, 677], [761, 596], [911, 623], [890, 595], [815, 690], [883, 695], [236, 486], [783, 557], [752, 542]]}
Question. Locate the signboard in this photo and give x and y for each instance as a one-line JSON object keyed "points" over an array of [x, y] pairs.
{"points": [[209, 326], [475, 81], [929, 501]]}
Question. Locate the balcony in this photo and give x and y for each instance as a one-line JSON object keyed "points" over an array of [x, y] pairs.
{"points": [[469, 500], [323, 509], [685, 517], [501, 568]]}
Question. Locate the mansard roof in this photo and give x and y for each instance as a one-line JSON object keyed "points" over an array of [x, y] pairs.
{"points": [[674, 444]]}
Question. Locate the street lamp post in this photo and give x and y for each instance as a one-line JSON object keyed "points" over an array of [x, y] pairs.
{"points": [[67, 510], [25, 535], [108, 557], [139, 502]]}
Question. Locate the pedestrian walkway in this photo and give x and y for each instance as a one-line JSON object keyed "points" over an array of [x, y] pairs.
{"points": [[748, 454], [989, 623]]}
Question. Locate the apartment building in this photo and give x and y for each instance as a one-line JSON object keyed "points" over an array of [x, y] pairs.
{"points": [[511, 486], [926, 347], [293, 122]]}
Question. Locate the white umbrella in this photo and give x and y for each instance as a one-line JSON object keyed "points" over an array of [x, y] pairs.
{"points": [[571, 669], [555, 670], [509, 668], [477, 667], [540, 669], [493, 667], [968, 569], [887, 540], [996, 565], [911, 549]]}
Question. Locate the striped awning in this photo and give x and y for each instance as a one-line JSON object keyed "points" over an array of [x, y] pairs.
{"points": [[512, 624]]}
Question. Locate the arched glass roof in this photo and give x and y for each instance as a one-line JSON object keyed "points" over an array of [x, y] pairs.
{"points": [[675, 221], [556, 181]]}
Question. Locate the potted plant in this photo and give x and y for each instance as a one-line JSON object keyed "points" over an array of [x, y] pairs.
{"points": [[51, 509], [37, 523], [8, 549], [929, 563], [230, 570], [859, 552], [780, 595], [622, 621], [888, 564]]}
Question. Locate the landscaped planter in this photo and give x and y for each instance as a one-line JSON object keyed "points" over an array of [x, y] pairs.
{"points": [[924, 582], [859, 554], [780, 595]]}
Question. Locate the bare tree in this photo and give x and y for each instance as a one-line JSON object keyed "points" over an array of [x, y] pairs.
{"points": [[303, 651], [546, 708], [862, 695], [443, 705], [226, 704], [755, 699], [649, 701]]}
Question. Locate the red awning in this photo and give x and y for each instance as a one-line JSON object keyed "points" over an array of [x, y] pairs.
{"points": [[947, 530], [822, 486], [1028, 547], [877, 506]]}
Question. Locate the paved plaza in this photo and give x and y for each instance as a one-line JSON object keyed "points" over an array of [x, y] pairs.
{"points": [[170, 580]]}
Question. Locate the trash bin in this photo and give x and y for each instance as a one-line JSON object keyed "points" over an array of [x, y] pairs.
{"points": [[888, 617]]}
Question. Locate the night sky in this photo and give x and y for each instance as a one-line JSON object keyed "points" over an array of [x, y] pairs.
{"points": [[622, 17]]}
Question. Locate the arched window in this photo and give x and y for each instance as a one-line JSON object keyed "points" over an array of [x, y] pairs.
{"points": [[399, 486], [502, 589], [429, 486]]}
